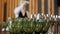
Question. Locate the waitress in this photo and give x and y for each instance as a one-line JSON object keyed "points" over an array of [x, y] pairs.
{"points": [[21, 11]]}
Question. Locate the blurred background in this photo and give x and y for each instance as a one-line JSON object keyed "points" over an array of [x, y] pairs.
{"points": [[35, 6]]}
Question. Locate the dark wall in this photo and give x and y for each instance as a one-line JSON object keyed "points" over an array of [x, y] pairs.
{"points": [[46, 7], [58, 2], [55, 7], [39, 6]]}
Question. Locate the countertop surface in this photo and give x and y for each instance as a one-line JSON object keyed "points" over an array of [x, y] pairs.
{"points": [[4, 33]]}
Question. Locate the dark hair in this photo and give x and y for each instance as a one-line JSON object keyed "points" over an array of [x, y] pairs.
{"points": [[27, 6]]}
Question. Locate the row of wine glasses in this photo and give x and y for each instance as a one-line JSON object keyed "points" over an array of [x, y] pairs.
{"points": [[54, 20], [44, 16]]}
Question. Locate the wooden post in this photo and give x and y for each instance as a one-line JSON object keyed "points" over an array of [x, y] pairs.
{"points": [[18, 2], [30, 6], [7, 11], [10, 9], [53, 28], [59, 23], [42, 6], [59, 10], [33, 7], [52, 7], [2, 10], [30, 2], [36, 7], [49, 7]]}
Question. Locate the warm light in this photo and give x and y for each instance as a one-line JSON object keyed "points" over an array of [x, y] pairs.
{"points": [[47, 15], [56, 16]]}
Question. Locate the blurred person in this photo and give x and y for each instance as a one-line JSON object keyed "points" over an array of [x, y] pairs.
{"points": [[21, 10]]}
